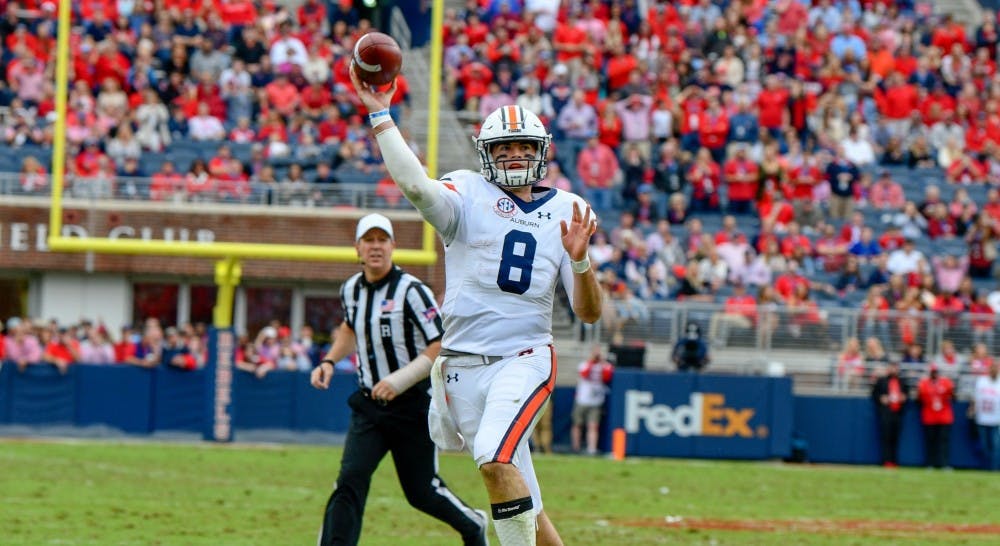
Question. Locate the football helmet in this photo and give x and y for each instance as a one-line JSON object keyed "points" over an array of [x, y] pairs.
{"points": [[512, 124]]}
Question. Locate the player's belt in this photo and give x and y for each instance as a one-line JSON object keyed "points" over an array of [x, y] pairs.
{"points": [[469, 356]]}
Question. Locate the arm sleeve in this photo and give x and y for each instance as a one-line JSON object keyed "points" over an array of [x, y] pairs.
{"points": [[426, 194], [568, 279]]}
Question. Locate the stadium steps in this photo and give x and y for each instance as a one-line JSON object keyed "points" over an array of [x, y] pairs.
{"points": [[454, 143], [968, 12]]}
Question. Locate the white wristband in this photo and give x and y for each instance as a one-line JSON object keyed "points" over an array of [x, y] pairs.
{"points": [[380, 117], [580, 267]]}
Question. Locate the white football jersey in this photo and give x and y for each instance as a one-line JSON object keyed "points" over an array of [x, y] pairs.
{"points": [[987, 401], [502, 259]]}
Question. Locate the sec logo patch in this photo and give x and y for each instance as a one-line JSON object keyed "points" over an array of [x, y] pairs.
{"points": [[505, 207]]}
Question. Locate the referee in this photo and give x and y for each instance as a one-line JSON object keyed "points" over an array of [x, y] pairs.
{"points": [[391, 319]]}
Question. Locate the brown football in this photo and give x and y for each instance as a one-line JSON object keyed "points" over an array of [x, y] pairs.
{"points": [[377, 58]]}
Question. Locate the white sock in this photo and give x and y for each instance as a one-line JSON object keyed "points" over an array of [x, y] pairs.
{"points": [[517, 531]]}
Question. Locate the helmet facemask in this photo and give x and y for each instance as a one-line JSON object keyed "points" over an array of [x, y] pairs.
{"points": [[513, 124]]}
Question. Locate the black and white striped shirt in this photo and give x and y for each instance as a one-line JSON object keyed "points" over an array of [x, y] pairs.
{"points": [[394, 319]]}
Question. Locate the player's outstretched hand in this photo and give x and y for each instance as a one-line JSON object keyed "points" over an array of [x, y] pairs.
{"points": [[373, 99], [576, 234], [320, 377]]}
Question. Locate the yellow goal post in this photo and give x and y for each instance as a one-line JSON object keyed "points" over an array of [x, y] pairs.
{"points": [[228, 254]]}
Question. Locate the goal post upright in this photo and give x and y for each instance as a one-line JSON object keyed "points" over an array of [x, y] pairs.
{"points": [[227, 254]]}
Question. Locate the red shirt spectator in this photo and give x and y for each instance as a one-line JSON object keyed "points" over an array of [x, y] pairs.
{"points": [[236, 12], [949, 307], [165, 183], [402, 93], [180, 6], [992, 205], [705, 178], [124, 347], [947, 34], [597, 165], [886, 194], [778, 212], [273, 125], [939, 99], [87, 8], [112, 64], [786, 283], [772, 104], [609, 128], [741, 177], [850, 232], [802, 181], [569, 40], [899, 99], [831, 249], [332, 129], [891, 240], [502, 48], [793, 244], [935, 394], [242, 133], [941, 226], [283, 96], [662, 17], [311, 11], [741, 304], [219, 164], [316, 96], [476, 78], [690, 106], [976, 137], [982, 316], [906, 63], [618, 69], [713, 127], [88, 161], [476, 30], [965, 170], [62, 351], [792, 15]]}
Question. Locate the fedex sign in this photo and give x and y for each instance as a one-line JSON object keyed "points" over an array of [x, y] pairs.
{"points": [[705, 414]]}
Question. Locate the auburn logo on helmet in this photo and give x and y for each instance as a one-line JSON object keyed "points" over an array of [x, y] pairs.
{"points": [[512, 119]]}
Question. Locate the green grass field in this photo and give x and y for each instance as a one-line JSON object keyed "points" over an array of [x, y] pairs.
{"points": [[105, 493]]}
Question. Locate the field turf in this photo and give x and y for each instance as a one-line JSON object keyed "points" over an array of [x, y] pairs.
{"points": [[109, 493]]}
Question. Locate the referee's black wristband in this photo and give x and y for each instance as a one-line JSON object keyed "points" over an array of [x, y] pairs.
{"points": [[328, 361]]}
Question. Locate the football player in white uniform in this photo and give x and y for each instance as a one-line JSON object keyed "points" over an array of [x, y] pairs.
{"points": [[506, 244]]}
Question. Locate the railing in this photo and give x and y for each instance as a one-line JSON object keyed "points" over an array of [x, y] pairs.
{"points": [[803, 344], [349, 194]]}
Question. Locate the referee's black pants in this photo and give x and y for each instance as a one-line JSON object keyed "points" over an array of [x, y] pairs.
{"points": [[399, 427]]}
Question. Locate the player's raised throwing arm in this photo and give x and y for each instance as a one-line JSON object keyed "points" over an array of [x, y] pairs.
{"points": [[404, 166]]}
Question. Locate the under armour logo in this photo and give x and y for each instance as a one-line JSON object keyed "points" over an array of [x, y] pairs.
{"points": [[449, 378], [546, 215]]}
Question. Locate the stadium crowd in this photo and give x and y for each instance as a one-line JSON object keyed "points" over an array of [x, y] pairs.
{"points": [[757, 154], [211, 99], [761, 154], [25, 342]]}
